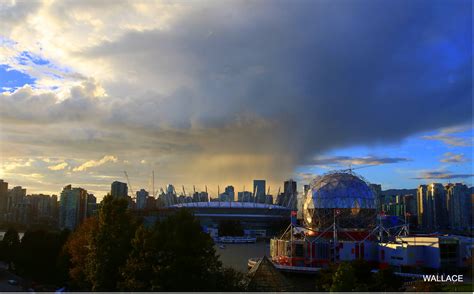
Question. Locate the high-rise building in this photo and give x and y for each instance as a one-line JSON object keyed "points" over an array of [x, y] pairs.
{"points": [[169, 198], [290, 193], [259, 190], [3, 199], [245, 196], [150, 203], [437, 192], [44, 209], [73, 207], [377, 189], [119, 190], [91, 205], [229, 190], [432, 207], [268, 199], [16, 206], [426, 211], [290, 187], [457, 202], [142, 197]]}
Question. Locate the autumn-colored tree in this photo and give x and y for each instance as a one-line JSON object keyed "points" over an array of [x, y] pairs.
{"points": [[78, 247]]}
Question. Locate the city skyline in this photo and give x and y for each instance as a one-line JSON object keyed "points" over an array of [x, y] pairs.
{"points": [[221, 94]]}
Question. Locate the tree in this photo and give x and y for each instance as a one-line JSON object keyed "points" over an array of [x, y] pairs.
{"points": [[344, 278], [185, 255], [230, 280], [76, 252], [176, 255], [325, 277], [38, 254], [9, 246], [385, 280], [138, 270], [111, 244]]}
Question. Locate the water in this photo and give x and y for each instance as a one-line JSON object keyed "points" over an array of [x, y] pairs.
{"points": [[237, 255]]}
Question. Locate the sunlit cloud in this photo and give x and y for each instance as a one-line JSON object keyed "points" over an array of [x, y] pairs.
{"points": [[59, 166], [442, 175], [450, 157], [451, 137], [94, 163]]}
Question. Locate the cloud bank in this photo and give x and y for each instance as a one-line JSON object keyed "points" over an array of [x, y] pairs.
{"points": [[210, 92]]}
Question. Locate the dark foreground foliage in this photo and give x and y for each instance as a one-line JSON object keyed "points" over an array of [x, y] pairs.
{"points": [[114, 252]]}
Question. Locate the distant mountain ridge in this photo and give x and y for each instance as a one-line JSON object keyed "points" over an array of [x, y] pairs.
{"points": [[392, 192]]}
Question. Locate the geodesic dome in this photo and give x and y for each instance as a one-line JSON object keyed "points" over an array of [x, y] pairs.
{"points": [[341, 194]]}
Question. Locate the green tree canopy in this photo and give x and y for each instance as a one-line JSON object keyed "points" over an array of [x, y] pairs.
{"points": [[385, 280], [38, 255], [344, 278], [9, 246], [110, 244], [176, 255]]}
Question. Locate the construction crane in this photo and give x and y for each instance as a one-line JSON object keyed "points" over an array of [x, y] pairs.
{"points": [[130, 186]]}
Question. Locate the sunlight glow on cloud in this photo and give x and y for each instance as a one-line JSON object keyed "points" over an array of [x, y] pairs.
{"points": [[59, 166], [94, 163]]}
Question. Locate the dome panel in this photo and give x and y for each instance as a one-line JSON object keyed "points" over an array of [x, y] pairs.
{"points": [[345, 192]]}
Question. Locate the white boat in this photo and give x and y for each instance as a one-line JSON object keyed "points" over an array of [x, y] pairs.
{"points": [[236, 240]]}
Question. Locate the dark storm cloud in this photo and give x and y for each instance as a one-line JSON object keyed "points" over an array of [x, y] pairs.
{"points": [[346, 160], [325, 74]]}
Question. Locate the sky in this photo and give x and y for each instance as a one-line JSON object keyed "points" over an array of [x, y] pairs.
{"points": [[216, 93]]}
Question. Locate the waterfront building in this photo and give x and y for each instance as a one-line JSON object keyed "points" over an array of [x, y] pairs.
{"points": [[229, 190], [142, 198], [44, 209], [379, 198], [200, 197], [245, 196], [91, 205], [3, 199], [268, 199], [426, 210], [259, 190], [437, 192], [72, 207], [16, 207], [119, 190], [169, 198], [458, 206]]}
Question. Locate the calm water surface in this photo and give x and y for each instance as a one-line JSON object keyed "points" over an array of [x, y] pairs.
{"points": [[237, 255]]}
